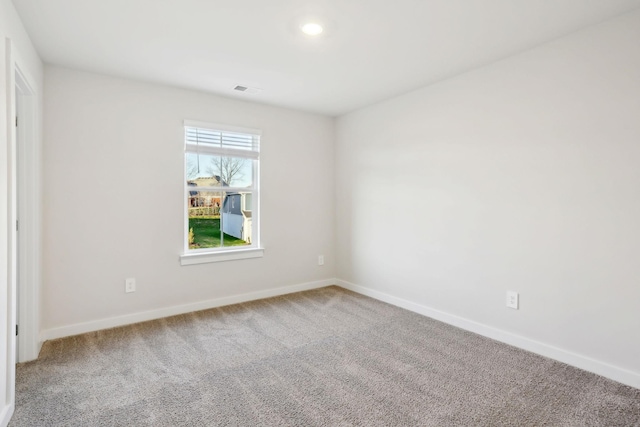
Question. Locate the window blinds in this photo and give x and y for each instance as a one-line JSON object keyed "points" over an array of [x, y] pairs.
{"points": [[209, 140]]}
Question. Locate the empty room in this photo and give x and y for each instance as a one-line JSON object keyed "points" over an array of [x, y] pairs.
{"points": [[320, 213]]}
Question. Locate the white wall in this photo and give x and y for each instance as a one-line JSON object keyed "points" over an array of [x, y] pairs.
{"points": [[523, 175], [113, 208], [22, 53]]}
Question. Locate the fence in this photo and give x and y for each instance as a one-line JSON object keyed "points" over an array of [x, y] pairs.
{"points": [[203, 211]]}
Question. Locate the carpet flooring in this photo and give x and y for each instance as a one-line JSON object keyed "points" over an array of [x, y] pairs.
{"points": [[326, 357]]}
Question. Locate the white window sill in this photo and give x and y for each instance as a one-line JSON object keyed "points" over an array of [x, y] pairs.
{"points": [[205, 257]]}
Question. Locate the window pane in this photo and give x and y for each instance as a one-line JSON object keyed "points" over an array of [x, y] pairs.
{"points": [[214, 171], [204, 219], [210, 213]]}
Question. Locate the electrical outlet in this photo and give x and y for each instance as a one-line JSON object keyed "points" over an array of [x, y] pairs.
{"points": [[320, 259], [512, 299], [130, 285]]}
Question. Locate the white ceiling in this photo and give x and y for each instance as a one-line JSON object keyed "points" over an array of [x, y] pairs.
{"points": [[370, 50]]}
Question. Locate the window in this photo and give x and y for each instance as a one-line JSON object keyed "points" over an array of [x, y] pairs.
{"points": [[222, 197]]}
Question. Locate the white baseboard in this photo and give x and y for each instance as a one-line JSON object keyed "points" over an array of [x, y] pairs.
{"points": [[5, 415], [112, 322], [615, 373]]}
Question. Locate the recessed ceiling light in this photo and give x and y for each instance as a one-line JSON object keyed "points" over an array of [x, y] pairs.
{"points": [[311, 29]]}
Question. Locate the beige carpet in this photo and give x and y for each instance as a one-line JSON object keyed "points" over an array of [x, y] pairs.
{"points": [[327, 357]]}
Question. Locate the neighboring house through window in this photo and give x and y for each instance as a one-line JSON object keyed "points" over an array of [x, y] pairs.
{"points": [[222, 198]]}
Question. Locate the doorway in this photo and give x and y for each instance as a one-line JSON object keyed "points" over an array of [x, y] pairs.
{"points": [[21, 153]]}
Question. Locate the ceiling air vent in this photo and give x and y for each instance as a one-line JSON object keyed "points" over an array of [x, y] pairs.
{"points": [[246, 89]]}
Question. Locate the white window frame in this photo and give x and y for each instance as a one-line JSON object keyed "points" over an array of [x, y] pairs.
{"points": [[206, 255]]}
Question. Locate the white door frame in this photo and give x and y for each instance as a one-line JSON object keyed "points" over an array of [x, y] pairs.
{"points": [[24, 171], [9, 357], [29, 212]]}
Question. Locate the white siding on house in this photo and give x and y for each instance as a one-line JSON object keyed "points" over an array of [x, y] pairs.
{"points": [[232, 224]]}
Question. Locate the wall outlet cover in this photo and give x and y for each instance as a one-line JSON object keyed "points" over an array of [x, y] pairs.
{"points": [[512, 299], [130, 285]]}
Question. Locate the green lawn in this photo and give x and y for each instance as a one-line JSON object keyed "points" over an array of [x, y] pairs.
{"points": [[206, 234]]}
